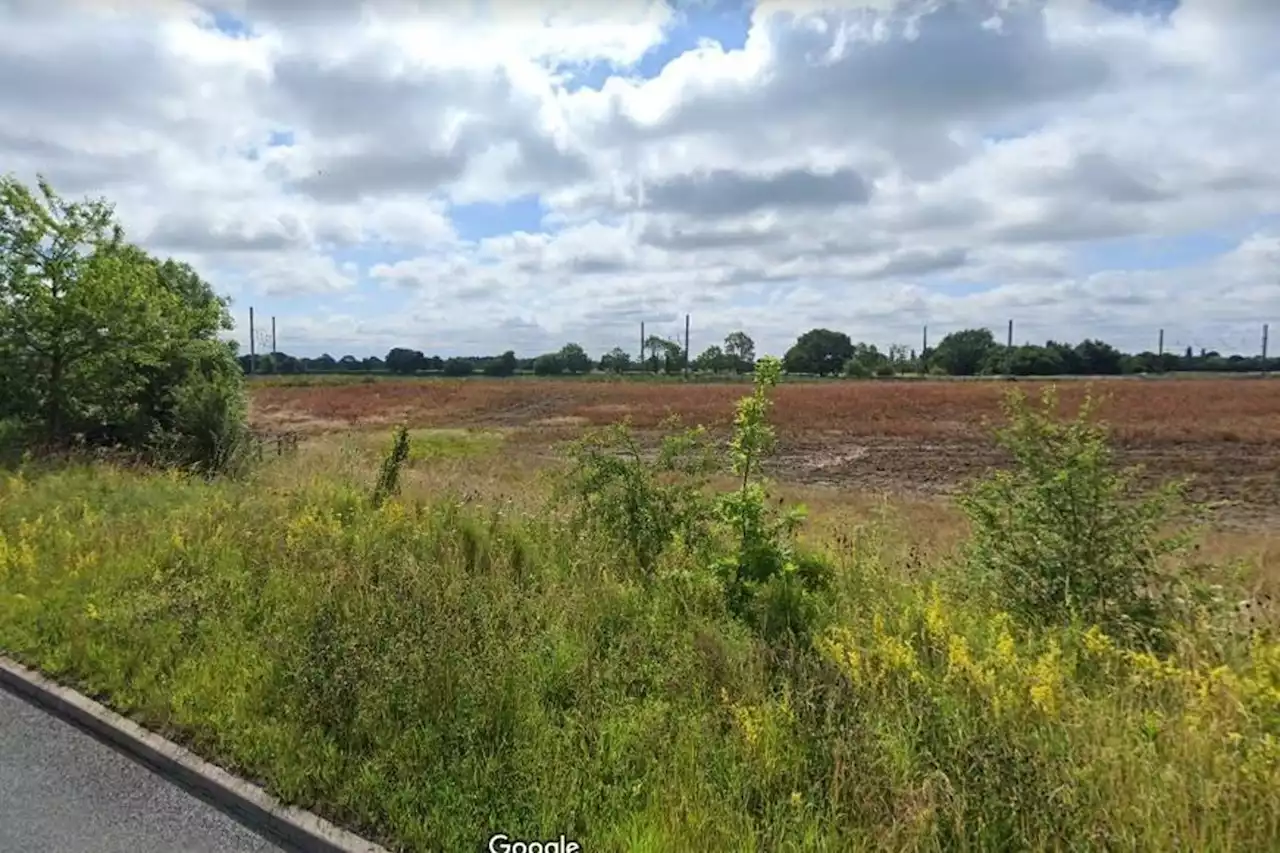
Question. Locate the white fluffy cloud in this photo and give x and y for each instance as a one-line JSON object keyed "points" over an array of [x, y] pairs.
{"points": [[1089, 167]]}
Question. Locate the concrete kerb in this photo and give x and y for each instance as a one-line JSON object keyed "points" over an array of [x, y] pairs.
{"points": [[248, 803]]}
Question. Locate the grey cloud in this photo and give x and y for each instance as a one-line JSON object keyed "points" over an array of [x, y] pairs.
{"points": [[918, 262], [1064, 222], [358, 176], [196, 235], [73, 172], [1099, 176], [680, 237], [727, 193], [597, 265]]}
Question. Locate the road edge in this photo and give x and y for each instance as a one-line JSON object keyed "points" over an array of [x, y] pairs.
{"points": [[242, 800]]}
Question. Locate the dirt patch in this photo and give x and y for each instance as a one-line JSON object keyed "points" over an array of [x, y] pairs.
{"points": [[911, 438]]}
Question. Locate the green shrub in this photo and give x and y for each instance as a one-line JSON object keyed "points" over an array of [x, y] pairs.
{"points": [[649, 505], [1066, 536], [643, 504]]}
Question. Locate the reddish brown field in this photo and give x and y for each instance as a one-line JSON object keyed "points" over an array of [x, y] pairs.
{"points": [[914, 437]]}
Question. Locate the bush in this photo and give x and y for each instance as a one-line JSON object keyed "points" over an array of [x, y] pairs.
{"points": [[458, 367], [550, 364], [856, 368], [645, 505], [209, 431], [1065, 536], [649, 505]]}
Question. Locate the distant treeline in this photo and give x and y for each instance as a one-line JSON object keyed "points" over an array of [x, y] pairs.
{"points": [[822, 352]]}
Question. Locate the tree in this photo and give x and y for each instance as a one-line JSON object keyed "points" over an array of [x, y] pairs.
{"points": [[713, 360], [819, 351], [741, 351], [865, 361], [458, 367], [964, 353], [616, 360], [549, 364], [100, 340], [404, 361], [325, 362], [575, 359], [503, 365], [664, 355], [1036, 361], [1098, 358]]}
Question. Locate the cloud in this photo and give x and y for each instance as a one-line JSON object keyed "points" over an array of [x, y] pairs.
{"points": [[871, 165]]}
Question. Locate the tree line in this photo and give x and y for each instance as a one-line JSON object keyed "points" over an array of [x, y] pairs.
{"points": [[820, 352]]}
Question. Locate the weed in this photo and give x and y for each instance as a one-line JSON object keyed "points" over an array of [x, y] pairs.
{"points": [[389, 475]]}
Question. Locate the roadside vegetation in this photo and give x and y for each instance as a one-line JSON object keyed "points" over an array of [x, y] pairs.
{"points": [[642, 651]]}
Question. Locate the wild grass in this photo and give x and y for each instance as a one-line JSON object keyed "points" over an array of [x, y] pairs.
{"points": [[465, 658]]}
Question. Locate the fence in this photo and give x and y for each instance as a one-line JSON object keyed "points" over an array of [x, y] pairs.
{"points": [[283, 442]]}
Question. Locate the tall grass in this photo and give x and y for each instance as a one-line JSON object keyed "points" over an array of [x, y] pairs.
{"points": [[430, 672]]}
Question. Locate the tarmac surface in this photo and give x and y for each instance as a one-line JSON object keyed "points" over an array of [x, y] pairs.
{"points": [[63, 791]]}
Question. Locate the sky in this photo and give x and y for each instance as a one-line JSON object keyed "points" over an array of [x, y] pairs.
{"points": [[468, 177]]}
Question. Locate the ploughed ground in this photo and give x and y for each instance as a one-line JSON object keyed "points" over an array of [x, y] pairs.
{"points": [[910, 437]]}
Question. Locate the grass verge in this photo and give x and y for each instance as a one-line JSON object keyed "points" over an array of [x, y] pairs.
{"points": [[433, 671]]}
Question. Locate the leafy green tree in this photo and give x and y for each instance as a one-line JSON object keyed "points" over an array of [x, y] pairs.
{"points": [[503, 365], [964, 353], [740, 350], [713, 360], [404, 361], [1098, 358], [99, 340], [458, 367], [866, 360], [1036, 361], [575, 359], [819, 351], [616, 360], [664, 355], [549, 364]]}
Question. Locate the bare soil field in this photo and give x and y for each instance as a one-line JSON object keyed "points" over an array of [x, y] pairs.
{"points": [[913, 438]]}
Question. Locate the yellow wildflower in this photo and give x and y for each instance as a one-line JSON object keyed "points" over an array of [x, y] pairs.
{"points": [[1096, 642], [935, 617], [1047, 680]]}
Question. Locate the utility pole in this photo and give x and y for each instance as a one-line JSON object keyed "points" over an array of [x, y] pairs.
{"points": [[253, 358], [1008, 352], [1160, 348], [273, 337], [642, 344], [686, 344], [1265, 329]]}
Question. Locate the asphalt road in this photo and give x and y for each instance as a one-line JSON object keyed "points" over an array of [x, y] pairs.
{"points": [[62, 791]]}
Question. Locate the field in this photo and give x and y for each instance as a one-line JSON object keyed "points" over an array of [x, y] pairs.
{"points": [[472, 656], [910, 439]]}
